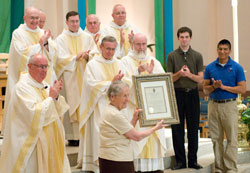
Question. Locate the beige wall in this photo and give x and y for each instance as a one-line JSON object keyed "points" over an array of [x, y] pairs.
{"points": [[56, 11], [210, 20]]}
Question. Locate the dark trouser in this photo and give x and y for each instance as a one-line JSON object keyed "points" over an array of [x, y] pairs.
{"points": [[188, 107], [109, 166]]}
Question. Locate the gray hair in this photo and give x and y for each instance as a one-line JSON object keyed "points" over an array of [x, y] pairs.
{"points": [[32, 59], [108, 39], [116, 87]]}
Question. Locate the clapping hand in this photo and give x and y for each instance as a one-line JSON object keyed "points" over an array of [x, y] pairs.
{"points": [[56, 89], [119, 76]]}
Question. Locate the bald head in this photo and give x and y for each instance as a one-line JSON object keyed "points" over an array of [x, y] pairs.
{"points": [[42, 20], [139, 43], [31, 17], [93, 23], [119, 14], [139, 36]]}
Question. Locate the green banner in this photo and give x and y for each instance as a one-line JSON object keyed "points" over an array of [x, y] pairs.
{"points": [[5, 10], [91, 6], [159, 35], [17, 13], [11, 16]]}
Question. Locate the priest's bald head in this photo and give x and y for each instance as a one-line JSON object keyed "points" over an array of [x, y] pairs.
{"points": [[42, 20], [38, 65], [93, 23], [119, 14], [139, 45], [31, 17]]}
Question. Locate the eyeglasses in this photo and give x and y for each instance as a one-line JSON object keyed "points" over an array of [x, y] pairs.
{"points": [[120, 13], [73, 21], [41, 66], [34, 18], [109, 49]]}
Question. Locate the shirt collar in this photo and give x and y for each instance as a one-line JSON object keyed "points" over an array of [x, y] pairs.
{"points": [[180, 51], [229, 62]]}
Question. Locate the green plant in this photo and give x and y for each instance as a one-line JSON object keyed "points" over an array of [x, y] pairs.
{"points": [[245, 116]]}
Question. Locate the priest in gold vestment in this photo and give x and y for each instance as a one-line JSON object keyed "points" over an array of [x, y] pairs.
{"points": [[34, 139]]}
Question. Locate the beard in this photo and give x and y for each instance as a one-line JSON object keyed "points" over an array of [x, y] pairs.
{"points": [[140, 54]]}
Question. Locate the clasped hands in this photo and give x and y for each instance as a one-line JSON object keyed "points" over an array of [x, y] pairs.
{"points": [[217, 84], [185, 72]]}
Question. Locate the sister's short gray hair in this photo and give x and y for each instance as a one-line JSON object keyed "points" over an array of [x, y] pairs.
{"points": [[116, 87]]}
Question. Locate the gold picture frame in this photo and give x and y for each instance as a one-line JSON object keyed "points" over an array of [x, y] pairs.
{"points": [[155, 95]]}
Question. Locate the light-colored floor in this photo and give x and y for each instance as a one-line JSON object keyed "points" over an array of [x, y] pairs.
{"points": [[205, 158]]}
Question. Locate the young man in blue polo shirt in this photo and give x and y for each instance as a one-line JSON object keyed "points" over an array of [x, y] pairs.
{"points": [[224, 79]]}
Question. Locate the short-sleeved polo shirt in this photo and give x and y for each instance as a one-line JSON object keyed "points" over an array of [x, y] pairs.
{"points": [[230, 74], [192, 59]]}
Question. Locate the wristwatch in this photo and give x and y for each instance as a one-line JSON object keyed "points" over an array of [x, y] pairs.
{"points": [[47, 43]]}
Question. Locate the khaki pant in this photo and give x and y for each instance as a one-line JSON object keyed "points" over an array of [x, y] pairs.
{"points": [[223, 117]]}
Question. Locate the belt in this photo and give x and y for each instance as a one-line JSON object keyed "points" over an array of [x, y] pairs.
{"points": [[185, 89], [225, 100]]}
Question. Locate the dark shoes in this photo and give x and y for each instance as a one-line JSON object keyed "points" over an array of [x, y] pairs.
{"points": [[73, 143], [195, 166], [179, 166], [182, 166]]}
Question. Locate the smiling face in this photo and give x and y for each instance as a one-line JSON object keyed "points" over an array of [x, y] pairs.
{"points": [[184, 39], [73, 23], [93, 24], [38, 67], [223, 52], [121, 100], [31, 17], [119, 15]]}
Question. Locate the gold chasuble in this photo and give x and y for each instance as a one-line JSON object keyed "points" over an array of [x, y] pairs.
{"points": [[99, 74], [114, 30], [126, 44], [34, 134], [69, 46], [24, 43]]}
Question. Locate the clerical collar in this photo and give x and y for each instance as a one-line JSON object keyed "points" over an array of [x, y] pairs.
{"points": [[93, 34], [66, 31], [33, 82], [31, 30], [102, 59], [124, 26]]}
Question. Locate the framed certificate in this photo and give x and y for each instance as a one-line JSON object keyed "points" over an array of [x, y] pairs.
{"points": [[155, 95]]}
